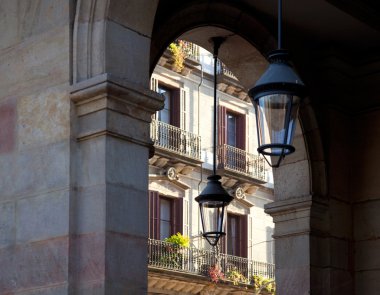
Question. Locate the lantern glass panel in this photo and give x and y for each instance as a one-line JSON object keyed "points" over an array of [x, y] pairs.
{"points": [[212, 214], [276, 116]]}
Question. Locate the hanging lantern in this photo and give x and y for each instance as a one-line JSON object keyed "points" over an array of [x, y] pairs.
{"points": [[213, 201], [276, 98]]}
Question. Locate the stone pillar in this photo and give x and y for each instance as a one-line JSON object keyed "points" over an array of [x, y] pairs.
{"points": [[109, 204], [301, 248]]}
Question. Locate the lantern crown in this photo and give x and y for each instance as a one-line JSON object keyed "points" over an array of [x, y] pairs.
{"points": [[214, 192], [278, 78]]}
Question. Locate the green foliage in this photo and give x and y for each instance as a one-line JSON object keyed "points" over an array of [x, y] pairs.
{"points": [[179, 240], [261, 283], [179, 52], [236, 277]]}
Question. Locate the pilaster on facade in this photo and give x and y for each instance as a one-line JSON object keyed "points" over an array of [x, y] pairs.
{"points": [[109, 165], [103, 100]]}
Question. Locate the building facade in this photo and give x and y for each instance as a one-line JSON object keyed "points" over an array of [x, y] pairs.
{"points": [[75, 115], [183, 137]]}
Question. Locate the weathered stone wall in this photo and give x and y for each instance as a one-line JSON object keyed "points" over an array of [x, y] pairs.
{"points": [[339, 242], [59, 222], [73, 177], [34, 146], [365, 189]]}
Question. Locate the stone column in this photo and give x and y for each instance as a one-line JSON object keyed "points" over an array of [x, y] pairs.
{"points": [[301, 247], [109, 204]]}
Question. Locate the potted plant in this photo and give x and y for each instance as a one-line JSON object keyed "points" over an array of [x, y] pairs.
{"points": [[179, 51], [263, 285], [175, 250], [215, 273], [236, 277]]}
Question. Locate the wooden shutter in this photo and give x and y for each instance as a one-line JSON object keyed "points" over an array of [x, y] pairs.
{"points": [[222, 113], [241, 131], [183, 109], [186, 221], [178, 216], [243, 235], [154, 215], [175, 107], [250, 237]]}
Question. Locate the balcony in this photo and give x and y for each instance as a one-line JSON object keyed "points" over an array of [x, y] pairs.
{"points": [[229, 83], [237, 161], [194, 261], [176, 146], [192, 51]]}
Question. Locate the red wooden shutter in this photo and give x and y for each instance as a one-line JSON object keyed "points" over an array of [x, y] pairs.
{"points": [[240, 136], [175, 108], [244, 236], [222, 125], [154, 215]]}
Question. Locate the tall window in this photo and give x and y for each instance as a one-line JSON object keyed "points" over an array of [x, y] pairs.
{"points": [[236, 239], [231, 129], [233, 235], [164, 114], [165, 216], [171, 113]]}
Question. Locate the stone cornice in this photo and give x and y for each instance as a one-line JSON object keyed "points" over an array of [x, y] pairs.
{"points": [[288, 206], [107, 106], [106, 91], [298, 216]]}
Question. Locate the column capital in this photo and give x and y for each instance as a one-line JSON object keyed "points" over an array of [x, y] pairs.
{"points": [[122, 96], [115, 107], [297, 216]]}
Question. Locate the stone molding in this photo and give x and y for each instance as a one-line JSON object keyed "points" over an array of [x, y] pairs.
{"points": [[122, 92], [109, 106], [298, 216], [292, 217]]}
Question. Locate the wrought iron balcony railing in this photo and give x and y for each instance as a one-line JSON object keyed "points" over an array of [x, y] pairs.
{"points": [[222, 69], [237, 160], [197, 261], [174, 139], [192, 51]]}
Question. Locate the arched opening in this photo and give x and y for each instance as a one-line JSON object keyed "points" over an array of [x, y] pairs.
{"points": [[126, 60], [244, 54], [182, 133], [75, 114]]}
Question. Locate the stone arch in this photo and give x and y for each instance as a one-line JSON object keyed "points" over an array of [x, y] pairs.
{"points": [[112, 37], [151, 25], [300, 210], [122, 40], [254, 37]]}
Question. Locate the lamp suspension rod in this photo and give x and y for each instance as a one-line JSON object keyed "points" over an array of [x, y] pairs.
{"points": [[279, 24], [217, 42]]}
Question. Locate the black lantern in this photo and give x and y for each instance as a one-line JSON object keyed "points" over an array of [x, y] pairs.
{"points": [[214, 199], [276, 98]]}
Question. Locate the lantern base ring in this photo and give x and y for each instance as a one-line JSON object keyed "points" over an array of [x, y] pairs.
{"points": [[213, 237], [283, 149]]}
